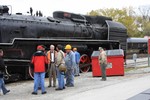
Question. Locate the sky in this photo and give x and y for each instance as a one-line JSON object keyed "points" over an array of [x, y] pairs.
{"points": [[47, 7]]}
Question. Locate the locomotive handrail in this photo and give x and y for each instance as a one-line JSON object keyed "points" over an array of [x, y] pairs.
{"points": [[17, 60], [48, 39], [24, 19], [63, 39]]}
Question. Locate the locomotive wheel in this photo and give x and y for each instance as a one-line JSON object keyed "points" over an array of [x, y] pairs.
{"points": [[31, 72], [85, 63]]}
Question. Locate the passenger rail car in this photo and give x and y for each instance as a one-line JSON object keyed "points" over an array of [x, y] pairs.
{"points": [[137, 45]]}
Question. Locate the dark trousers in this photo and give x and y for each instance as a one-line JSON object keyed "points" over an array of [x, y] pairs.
{"points": [[103, 69]]}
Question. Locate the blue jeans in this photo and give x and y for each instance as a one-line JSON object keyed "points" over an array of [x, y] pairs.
{"points": [[2, 86], [60, 76], [70, 77], [39, 78], [77, 69]]}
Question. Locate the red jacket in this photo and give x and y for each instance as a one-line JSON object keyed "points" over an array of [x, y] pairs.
{"points": [[39, 61]]}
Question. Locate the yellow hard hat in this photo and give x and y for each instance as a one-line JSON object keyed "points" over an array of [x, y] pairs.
{"points": [[74, 49], [68, 47]]}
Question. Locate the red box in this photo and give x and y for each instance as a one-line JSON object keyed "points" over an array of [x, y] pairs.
{"points": [[148, 46], [117, 66]]}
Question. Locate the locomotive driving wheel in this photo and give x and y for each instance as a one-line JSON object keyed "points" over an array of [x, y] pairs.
{"points": [[85, 63], [31, 73]]}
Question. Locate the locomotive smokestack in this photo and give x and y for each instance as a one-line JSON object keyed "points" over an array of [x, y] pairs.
{"points": [[4, 10]]}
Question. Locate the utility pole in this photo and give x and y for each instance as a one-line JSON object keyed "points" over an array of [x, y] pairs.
{"points": [[148, 45]]}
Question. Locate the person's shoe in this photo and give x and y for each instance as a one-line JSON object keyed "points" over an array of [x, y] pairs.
{"points": [[49, 86], [57, 89], [103, 79], [34, 93], [66, 84], [7, 92], [64, 88], [54, 86], [44, 92]]}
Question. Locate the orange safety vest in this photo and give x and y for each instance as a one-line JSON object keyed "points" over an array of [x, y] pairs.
{"points": [[49, 56]]}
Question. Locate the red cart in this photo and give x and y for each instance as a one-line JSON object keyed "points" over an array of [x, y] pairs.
{"points": [[115, 57]]}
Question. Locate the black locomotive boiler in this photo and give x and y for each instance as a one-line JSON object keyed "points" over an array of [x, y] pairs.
{"points": [[20, 34]]}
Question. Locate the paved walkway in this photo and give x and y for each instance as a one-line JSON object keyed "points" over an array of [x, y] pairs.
{"points": [[86, 88], [121, 91], [145, 94], [142, 96], [126, 90]]}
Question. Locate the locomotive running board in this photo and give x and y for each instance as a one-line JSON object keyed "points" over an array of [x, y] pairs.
{"points": [[47, 40]]}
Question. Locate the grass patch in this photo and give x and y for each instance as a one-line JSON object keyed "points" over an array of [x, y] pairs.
{"points": [[129, 69], [132, 68]]}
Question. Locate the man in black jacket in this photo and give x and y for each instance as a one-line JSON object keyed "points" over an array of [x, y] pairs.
{"points": [[2, 70]]}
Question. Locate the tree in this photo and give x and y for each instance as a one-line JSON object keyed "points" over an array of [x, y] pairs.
{"points": [[145, 19], [147, 29], [124, 15], [145, 12]]}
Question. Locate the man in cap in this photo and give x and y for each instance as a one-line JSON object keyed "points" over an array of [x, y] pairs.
{"points": [[103, 62], [39, 63], [77, 60], [70, 63]]}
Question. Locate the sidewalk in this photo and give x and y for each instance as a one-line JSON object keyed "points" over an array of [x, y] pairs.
{"points": [[145, 94], [121, 91], [124, 90], [142, 96]]}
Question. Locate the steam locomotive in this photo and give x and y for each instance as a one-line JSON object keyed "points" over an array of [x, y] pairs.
{"points": [[20, 34]]}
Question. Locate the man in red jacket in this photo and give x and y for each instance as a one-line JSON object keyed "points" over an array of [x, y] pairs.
{"points": [[39, 63]]}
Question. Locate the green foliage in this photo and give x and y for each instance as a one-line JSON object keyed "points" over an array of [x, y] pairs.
{"points": [[124, 15], [147, 28], [145, 25]]}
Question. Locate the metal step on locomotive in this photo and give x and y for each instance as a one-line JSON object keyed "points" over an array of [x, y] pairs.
{"points": [[20, 34]]}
